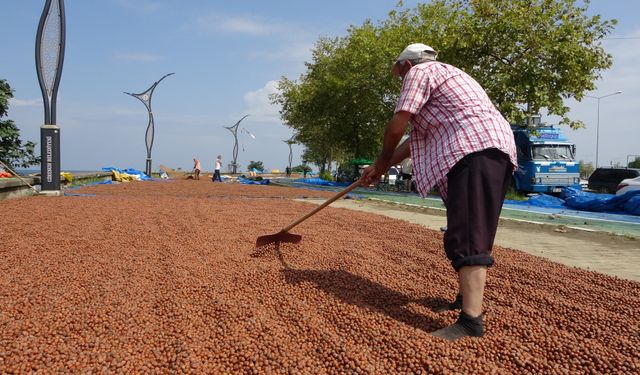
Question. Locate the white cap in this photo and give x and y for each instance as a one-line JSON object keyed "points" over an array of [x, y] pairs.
{"points": [[416, 51]]}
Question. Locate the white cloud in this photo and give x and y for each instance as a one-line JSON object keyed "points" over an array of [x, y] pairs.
{"points": [[214, 23], [296, 51], [25, 102], [258, 104], [137, 56], [245, 25], [287, 41]]}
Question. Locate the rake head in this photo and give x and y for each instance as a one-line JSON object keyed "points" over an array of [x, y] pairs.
{"points": [[279, 237]]}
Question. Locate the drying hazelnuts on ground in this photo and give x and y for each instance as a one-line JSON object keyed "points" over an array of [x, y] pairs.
{"points": [[160, 277]]}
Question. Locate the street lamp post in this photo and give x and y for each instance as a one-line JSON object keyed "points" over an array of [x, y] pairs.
{"points": [[290, 142], [598, 121], [234, 130], [145, 98], [50, 45]]}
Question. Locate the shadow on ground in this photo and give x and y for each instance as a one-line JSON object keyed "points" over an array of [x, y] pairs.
{"points": [[364, 293]]}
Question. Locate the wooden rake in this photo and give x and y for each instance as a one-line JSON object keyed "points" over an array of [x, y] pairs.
{"points": [[285, 236]]}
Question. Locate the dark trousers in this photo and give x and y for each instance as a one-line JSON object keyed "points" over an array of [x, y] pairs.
{"points": [[216, 176], [477, 185]]}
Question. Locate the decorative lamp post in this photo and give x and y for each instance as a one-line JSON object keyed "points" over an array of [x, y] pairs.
{"points": [[598, 121], [145, 98], [290, 142], [234, 130], [50, 43]]}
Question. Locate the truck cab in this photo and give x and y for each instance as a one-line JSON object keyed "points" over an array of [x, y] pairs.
{"points": [[546, 160]]}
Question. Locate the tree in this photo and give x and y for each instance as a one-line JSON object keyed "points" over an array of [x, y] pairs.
{"points": [[13, 152], [302, 168], [255, 164], [529, 55], [548, 51], [635, 163], [336, 107], [586, 169]]}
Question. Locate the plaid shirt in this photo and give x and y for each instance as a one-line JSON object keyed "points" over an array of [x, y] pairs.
{"points": [[452, 117]]}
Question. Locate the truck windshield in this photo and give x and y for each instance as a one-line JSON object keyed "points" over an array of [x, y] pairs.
{"points": [[552, 152]]}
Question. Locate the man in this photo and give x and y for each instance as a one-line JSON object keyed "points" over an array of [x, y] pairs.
{"points": [[196, 169], [216, 171], [406, 171], [461, 143]]}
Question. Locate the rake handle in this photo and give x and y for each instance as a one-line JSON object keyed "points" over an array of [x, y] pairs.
{"points": [[325, 204]]}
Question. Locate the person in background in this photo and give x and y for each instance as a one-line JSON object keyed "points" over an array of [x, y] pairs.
{"points": [[196, 169], [406, 170], [216, 170], [460, 142]]}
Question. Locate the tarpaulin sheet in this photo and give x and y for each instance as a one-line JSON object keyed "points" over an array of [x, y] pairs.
{"points": [[129, 171], [252, 182], [319, 181], [627, 204]]}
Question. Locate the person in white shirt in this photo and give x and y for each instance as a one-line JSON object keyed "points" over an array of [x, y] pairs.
{"points": [[196, 169], [216, 172]]}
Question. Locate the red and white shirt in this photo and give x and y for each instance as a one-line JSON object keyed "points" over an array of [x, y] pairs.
{"points": [[452, 116]]}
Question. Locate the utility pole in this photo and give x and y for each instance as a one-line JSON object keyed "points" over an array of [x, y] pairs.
{"points": [[598, 121]]}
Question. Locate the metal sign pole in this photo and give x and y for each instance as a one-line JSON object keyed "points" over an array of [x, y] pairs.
{"points": [[234, 130], [145, 98], [50, 44], [290, 142]]}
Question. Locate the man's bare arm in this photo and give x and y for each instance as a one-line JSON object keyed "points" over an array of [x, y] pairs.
{"points": [[402, 152], [390, 154], [393, 133]]}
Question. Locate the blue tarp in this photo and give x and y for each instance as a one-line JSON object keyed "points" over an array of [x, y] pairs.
{"points": [[627, 204], [130, 171], [541, 200], [319, 181], [252, 182]]}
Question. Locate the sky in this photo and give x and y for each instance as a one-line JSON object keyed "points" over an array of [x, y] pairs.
{"points": [[227, 57]]}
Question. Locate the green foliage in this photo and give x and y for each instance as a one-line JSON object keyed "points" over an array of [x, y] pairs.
{"points": [[326, 175], [635, 163], [301, 168], [13, 152], [339, 107], [514, 195], [255, 164], [586, 169], [529, 55]]}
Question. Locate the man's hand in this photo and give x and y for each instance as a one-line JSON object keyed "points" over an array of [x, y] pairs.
{"points": [[390, 154], [372, 173]]}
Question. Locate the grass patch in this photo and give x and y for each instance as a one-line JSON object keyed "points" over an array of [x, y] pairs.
{"points": [[513, 195]]}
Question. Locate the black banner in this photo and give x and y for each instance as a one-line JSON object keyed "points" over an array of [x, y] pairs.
{"points": [[50, 152]]}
